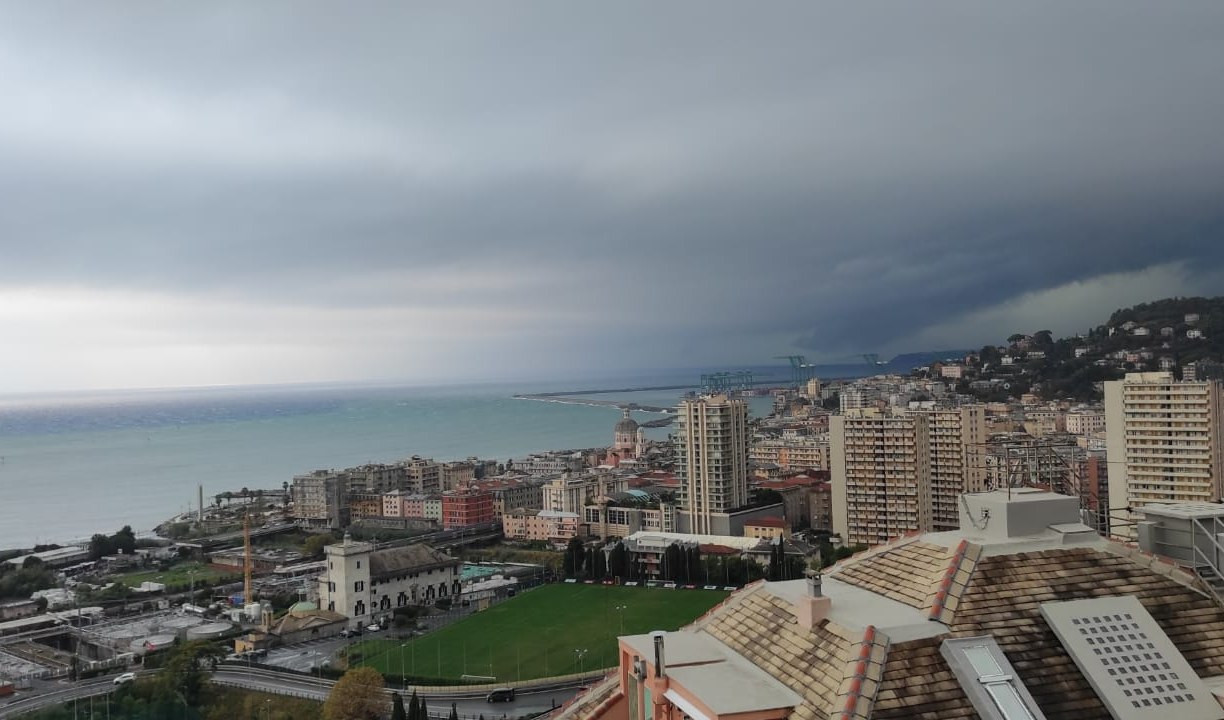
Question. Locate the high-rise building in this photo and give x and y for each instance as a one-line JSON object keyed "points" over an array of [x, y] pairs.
{"points": [[1164, 440], [711, 457], [898, 473]]}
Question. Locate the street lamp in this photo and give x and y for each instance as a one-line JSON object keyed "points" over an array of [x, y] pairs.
{"points": [[581, 653], [403, 677], [621, 609]]}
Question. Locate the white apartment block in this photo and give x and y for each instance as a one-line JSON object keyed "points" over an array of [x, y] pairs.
{"points": [[792, 452], [1085, 422], [711, 442], [571, 493], [1164, 440], [903, 472]]}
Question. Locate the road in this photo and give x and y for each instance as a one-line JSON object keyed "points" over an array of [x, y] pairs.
{"points": [[54, 694], [468, 704]]}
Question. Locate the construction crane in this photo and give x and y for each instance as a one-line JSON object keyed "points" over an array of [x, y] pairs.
{"points": [[801, 371]]}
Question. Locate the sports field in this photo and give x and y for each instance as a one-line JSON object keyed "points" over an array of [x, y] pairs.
{"points": [[541, 633]]}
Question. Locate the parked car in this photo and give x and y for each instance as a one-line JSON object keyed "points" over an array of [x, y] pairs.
{"points": [[125, 678], [501, 695], [373, 628]]}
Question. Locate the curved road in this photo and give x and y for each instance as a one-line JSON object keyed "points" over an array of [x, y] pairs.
{"points": [[471, 704]]}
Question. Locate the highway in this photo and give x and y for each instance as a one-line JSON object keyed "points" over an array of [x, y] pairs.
{"points": [[469, 704], [25, 702]]}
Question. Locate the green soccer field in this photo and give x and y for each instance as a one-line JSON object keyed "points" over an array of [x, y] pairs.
{"points": [[541, 633]]}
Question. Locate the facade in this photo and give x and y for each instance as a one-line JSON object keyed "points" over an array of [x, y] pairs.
{"points": [[466, 507], [422, 476], [1164, 440], [512, 494], [454, 475], [540, 525], [1085, 422], [711, 443], [571, 493], [792, 452], [898, 473], [611, 521], [320, 499], [365, 584], [767, 527]]}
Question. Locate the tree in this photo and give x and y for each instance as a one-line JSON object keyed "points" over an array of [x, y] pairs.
{"points": [[358, 695], [397, 707], [414, 707], [314, 544], [124, 541], [100, 546], [454, 712], [183, 676], [571, 564], [618, 560]]}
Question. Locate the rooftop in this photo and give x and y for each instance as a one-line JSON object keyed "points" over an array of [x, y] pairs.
{"points": [[879, 652]]}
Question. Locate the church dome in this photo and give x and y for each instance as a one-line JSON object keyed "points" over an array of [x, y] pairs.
{"points": [[627, 425]]}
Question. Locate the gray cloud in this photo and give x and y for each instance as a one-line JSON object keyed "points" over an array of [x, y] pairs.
{"points": [[696, 183]]}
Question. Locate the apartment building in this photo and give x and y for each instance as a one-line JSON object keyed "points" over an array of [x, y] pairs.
{"points": [[895, 473], [454, 475], [611, 521], [421, 476], [1085, 422], [466, 507], [509, 494], [540, 526], [711, 444], [320, 498], [570, 493], [1164, 440], [792, 452], [373, 479]]}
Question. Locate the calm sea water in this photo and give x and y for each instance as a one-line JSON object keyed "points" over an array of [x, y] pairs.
{"points": [[75, 464]]}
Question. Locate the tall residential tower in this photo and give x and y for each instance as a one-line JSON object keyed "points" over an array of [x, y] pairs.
{"points": [[711, 458], [1163, 440]]}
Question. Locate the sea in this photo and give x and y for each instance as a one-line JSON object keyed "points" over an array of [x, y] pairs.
{"points": [[74, 464]]}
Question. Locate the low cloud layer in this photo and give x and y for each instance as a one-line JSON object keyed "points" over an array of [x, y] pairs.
{"points": [[230, 193]]}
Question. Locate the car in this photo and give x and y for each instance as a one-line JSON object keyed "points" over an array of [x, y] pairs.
{"points": [[373, 628], [500, 695], [125, 678]]}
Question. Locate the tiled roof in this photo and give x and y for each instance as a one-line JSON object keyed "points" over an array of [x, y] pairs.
{"points": [[410, 558], [820, 665], [924, 576], [843, 673]]}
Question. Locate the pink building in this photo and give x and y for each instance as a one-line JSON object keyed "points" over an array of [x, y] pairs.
{"points": [[540, 526]]}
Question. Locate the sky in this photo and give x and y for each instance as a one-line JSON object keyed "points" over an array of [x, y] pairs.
{"points": [[232, 193]]}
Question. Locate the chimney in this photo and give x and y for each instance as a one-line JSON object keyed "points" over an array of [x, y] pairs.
{"points": [[660, 667], [813, 607]]}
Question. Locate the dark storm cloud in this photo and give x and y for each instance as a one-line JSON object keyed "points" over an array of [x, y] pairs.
{"points": [[839, 177]]}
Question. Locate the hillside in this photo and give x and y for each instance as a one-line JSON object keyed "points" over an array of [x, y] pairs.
{"points": [[1161, 335]]}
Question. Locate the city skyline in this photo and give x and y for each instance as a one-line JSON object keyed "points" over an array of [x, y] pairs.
{"points": [[231, 195]]}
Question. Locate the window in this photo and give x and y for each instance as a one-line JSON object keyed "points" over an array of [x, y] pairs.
{"points": [[989, 680], [358, 586]]}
